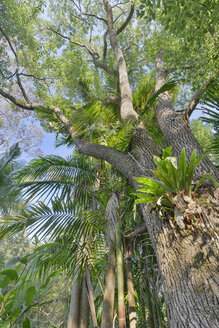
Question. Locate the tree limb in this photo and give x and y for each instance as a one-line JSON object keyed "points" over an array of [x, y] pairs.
{"points": [[10, 45], [21, 87], [137, 232], [95, 16], [7, 77], [123, 26], [195, 99], [17, 63], [71, 41], [19, 103], [88, 14], [92, 53], [122, 162], [127, 111]]}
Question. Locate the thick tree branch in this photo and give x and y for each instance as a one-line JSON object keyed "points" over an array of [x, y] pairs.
{"points": [[164, 103], [127, 111], [19, 103], [123, 26], [195, 99], [122, 162], [137, 232], [21, 87]]}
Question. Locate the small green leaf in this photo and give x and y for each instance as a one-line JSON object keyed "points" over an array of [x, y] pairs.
{"points": [[198, 160], [10, 273], [9, 305], [165, 177], [5, 282], [157, 160], [145, 198], [149, 183], [15, 260], [15, 314], [30, 295], [26, 323]]}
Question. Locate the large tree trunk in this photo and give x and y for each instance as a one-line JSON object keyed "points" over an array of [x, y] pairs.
{"points": [[187, 258], [189, 267], [175, 128]]}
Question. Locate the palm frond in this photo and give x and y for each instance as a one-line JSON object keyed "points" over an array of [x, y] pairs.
{"points": [[54, 176], [211, 101], [9, 156], [51, 222], [166, 87]]}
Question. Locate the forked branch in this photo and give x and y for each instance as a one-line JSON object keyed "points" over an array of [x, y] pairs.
{"points": [[95, 56]]}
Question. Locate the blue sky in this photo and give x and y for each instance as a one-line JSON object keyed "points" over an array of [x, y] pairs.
{"points": [[48, 146]]}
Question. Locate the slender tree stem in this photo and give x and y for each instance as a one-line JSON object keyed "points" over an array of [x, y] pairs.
{"points": [[120, 279], [130, 287]]}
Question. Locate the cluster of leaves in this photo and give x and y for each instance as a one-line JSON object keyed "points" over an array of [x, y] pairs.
{"points": [[19, 295], [187, 31], [173, 178]]}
